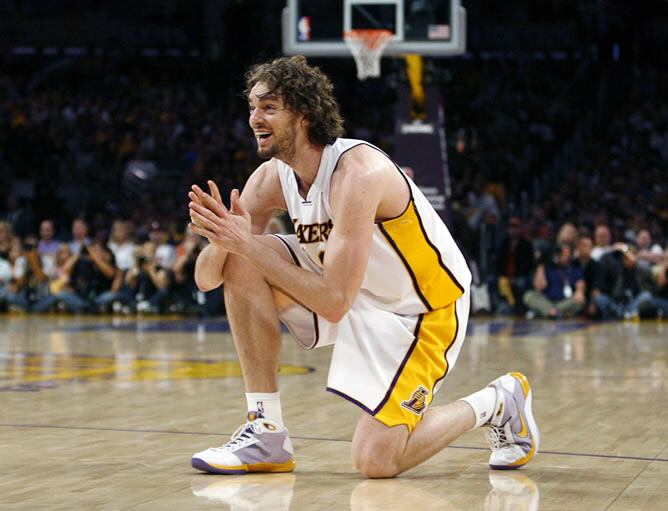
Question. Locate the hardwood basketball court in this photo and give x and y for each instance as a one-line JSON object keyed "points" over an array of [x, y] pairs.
{"points": [[104, 413]]}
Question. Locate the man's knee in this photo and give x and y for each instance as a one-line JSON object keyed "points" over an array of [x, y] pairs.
{"points": [[377, 449], [375, 459]]}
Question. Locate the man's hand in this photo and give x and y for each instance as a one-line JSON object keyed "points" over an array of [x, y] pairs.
{"points": [[230, 229]]}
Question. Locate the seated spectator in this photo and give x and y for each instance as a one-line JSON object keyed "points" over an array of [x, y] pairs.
{"points": [[36, 283], [5, 239], [589, 269], [89, 274], [147, 283], [184, 289], [559, 287], [514, 265], [483, 207], [79, 235], [602, 242], [165, 254], [121, 245], [47, 246], [568, 234], [660, 300], [12, 281], [649, 253], [624, 288]]}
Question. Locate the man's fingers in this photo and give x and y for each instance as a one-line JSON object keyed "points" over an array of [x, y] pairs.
{"points": [[201, 231], [202, 217], [215, 193], [208, 201]]}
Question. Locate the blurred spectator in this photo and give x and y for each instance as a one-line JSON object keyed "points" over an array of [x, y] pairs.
{"points": [[121, 245], [83, 278], [514, 265], [147, 282], [184, 290], [19, 216], [602, 242], [5, 240], [589, 269], [649, 253], [79, 235], [12, 282], [34, 286], [165, 255], [47, 246], [623, 287], [568, 234], [559, 287], [482, 204], [660, 300]]}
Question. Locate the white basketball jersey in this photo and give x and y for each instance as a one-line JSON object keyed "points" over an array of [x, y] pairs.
{"points": [[414, 264]]}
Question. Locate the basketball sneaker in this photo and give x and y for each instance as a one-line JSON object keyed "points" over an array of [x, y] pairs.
{"points": [[260, 445], [512, 431]]}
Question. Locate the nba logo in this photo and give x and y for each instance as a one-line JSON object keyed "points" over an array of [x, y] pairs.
{"points": [[304, 28]]}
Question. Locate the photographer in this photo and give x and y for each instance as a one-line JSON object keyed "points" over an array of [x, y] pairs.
{"points": [[147, 281], [184, 289], [83, 278], [624, 289]]}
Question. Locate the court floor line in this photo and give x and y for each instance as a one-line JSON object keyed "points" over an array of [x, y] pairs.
{"points": [[308, 438]]}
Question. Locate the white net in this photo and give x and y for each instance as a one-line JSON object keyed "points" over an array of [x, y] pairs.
{"points": [[367, 48]]}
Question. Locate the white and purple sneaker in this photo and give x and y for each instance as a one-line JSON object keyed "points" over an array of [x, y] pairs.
{"points": [[512, 431], [260, 445]]}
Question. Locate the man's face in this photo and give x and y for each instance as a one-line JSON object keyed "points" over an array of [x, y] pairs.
{"points": [[584, 247], [79, 230], [274, 126], [644, 239], [46, 230], [565, 255], [602, 235]]}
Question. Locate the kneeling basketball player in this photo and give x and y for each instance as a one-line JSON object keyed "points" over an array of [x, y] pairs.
{"points": [[371, 269]]}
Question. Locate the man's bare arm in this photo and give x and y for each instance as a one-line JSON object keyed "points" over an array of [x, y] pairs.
{"points": [[261, 196], [332, 293]]}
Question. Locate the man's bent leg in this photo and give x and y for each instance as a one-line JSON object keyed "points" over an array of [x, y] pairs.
{"points": [[504, 406], [381, 451], [253, 316], [262, 444]]}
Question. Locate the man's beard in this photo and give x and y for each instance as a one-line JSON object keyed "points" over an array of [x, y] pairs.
{"points": [[283, 147]]}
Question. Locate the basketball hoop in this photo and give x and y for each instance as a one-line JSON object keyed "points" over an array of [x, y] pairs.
{"points": [[367, 47]]}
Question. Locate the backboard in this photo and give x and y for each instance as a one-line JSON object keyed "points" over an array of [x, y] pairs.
{"points": [[427, 27]]}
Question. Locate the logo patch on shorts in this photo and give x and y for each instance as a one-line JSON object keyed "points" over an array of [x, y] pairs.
{"points": [[418, 401]]}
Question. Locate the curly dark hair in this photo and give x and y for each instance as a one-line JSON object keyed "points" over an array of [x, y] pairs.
{"points": [[304, 89]]}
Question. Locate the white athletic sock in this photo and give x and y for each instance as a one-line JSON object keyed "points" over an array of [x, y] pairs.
{"points": [[267, 403], [483, 403]]}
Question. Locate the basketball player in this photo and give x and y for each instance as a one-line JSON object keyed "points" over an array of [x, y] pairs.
{"points": [[371, 268]]}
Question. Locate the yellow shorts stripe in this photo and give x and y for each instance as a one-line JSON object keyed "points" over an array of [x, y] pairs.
{"points": [[433, 282], [424, 366]]}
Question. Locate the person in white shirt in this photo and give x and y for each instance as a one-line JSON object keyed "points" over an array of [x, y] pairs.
{"points": [[121, 245]]}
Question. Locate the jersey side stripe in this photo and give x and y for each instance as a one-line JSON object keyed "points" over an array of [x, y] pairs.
{"points": [[434, 284]]}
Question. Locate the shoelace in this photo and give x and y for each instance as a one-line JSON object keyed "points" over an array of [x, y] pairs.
{"points": [[496, 437], [241, 437]]}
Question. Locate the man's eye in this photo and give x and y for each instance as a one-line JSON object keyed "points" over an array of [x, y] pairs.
{"points": [[270, 108]]}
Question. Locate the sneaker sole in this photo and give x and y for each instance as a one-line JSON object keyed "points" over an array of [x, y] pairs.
{"points": [[534, 433], [202, 465]]}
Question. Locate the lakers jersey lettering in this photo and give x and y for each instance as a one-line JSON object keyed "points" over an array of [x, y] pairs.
{"points": [[312, 233]]}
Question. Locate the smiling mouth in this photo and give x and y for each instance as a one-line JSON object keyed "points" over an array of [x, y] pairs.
{"points": [[262, 137]]}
